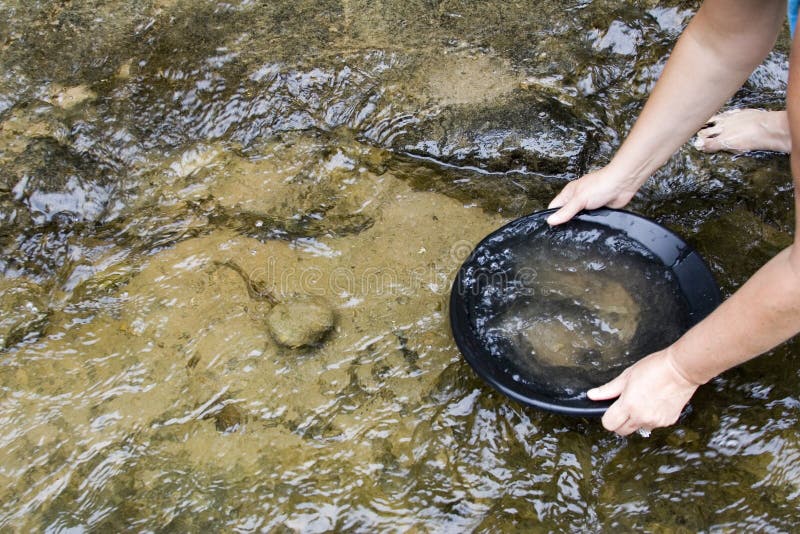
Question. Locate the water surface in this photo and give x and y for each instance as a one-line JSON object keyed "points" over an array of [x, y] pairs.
{"points": [[351, 151]]}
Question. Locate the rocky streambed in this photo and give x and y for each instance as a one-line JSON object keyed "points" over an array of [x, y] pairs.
{"points": [[228, 232]]}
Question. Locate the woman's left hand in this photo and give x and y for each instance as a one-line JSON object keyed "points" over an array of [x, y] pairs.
{"points": [[651, 394]]}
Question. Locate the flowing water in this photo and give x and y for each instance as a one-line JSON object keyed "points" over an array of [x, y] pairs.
{"points": [[352, 153]]}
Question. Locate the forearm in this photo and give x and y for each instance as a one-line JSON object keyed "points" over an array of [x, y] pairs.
{"points": [[764, 312], [719, 49]]}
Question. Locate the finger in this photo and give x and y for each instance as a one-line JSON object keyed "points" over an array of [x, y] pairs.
{"points": [[609, 390], [628, 428], [562, 198], [615, 417], [566, 212]]}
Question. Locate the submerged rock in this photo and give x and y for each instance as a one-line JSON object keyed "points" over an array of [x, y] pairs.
{"points": [[70, 97], [13, 218], [323, 191], [22, 311], [738, 254], [300, 322], [228, 418], [297, 322], [602, 297], [22, 125], [55, 180], [529, 132]]}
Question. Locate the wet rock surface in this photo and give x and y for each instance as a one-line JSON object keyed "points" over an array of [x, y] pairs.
{"points": [[537, 135], [55, 181], [13, 215], [318, 198], [743, 250], [23, 312]]}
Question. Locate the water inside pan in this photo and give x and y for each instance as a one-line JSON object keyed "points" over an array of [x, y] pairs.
{"points": [[566, 309]]}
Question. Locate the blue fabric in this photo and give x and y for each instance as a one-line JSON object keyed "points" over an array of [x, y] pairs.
{"points": [[793, 6]]}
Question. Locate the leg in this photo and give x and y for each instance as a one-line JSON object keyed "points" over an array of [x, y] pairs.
{"points": [[743, 130]]}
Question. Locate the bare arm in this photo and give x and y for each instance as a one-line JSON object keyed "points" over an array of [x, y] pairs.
{"points": [[719, 49], [764, 312]]}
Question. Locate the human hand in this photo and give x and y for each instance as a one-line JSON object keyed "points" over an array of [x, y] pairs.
{"points": [[652, 392], [604, 187]]}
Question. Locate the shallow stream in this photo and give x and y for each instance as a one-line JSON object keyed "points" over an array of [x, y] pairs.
{"points": [[166, 164]]}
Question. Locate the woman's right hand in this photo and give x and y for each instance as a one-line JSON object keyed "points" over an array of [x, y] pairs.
{"points": [[604, 187]]}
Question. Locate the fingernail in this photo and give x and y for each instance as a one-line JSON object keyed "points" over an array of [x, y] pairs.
{"points": [[699, 143], [592, 391]]}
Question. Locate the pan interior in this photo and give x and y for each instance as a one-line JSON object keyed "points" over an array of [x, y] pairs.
{"points": [[557, 311]]}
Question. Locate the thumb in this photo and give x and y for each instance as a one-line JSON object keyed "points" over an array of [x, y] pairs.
{"points": [[609, 390], [567, 212]]}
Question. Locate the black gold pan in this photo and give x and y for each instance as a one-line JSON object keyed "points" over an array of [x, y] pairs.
{"points": [[481, 276]]}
